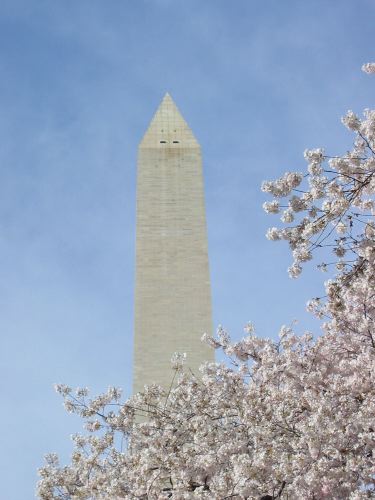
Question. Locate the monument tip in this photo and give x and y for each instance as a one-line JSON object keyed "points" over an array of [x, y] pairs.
{"points": [[168, 127]]}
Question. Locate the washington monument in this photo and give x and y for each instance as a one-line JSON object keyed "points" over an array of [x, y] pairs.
{"points": [[172, 290]]}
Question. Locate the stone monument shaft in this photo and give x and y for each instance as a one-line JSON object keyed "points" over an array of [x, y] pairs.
{"points": [[172, 291]]}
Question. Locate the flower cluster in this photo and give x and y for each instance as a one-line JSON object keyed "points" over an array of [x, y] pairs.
{"points": [[333, 206], [293, 418]]}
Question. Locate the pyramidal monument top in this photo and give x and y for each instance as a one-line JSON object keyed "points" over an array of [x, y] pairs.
{"points": [[168, 128]]}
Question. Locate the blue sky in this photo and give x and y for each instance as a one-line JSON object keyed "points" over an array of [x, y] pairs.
{"points": [[258, 82]]}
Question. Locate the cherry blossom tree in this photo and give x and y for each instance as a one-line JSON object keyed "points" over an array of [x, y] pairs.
{"points": [[293, 418]]}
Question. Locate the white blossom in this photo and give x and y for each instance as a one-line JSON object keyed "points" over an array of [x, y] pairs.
{"points": [[302, 253], [351, 121], [341, 228], [284, 185], [314, 155], [249, 328], [271, 207], [273, 234], [178, 359], [369, 68], [288, 216], [295, 270]]}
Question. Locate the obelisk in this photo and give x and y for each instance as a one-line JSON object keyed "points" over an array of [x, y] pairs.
{"points": [[172, 291]]}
